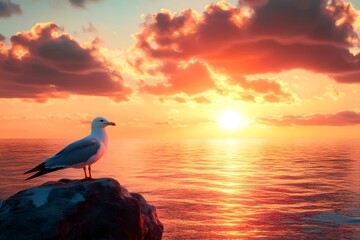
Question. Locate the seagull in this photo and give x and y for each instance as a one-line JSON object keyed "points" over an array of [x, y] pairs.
{"points": [[79, 154]]}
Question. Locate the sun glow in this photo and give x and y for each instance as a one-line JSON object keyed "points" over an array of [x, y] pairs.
{"points": [[232, 120]]}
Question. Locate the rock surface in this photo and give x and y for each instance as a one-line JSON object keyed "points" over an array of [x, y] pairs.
{"points": [[78, 209]]}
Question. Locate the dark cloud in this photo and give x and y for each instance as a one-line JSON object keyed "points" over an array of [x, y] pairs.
{"points": [[312, 20], [7, 9], [82, 3], [2, 38], [43, 64], [256, 37], [344, 118]]}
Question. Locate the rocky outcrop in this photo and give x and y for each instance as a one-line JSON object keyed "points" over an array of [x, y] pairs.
{"points": [[78, 209]]}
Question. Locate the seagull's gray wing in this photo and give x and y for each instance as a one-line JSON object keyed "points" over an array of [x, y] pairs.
{"points": [[75, 153]]}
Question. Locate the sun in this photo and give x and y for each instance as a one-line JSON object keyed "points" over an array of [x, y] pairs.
{"points": [[232, 120]]}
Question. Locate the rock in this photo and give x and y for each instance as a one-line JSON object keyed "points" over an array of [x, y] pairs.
{"points": [[78, 209]]}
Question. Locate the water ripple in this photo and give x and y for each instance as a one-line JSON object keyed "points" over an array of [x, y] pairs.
{"points": [[222, 189]]}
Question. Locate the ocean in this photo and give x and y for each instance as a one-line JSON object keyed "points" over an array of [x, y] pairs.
{"points": [[221, 188]]}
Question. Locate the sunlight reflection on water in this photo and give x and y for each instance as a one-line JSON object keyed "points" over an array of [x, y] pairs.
{"points": [[220, 189]]}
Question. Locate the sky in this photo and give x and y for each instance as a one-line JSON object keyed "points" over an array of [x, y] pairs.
{"points": [[175, 69]]}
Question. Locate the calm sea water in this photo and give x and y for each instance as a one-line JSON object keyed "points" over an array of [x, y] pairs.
{"points": [[222, 189]]}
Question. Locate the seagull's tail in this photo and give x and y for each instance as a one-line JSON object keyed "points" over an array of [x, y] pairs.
{"points": [[41, 170], [37, 168]]}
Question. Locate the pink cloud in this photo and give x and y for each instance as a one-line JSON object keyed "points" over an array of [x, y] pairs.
{"points": [[42, 64], [223, 26], [257, 37], [272, 91], [191, 79], [344, 118]]}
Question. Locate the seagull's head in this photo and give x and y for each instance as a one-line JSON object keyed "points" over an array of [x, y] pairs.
{"points": [[101, 122]]}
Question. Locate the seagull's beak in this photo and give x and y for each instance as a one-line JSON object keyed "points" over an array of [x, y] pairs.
{"points": [[111, 124]]}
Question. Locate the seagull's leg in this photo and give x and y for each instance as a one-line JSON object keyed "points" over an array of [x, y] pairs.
{"points": [[90, 172], [84, 168]]}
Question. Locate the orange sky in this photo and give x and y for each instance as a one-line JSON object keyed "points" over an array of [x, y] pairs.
{"points": [[290, 69]]}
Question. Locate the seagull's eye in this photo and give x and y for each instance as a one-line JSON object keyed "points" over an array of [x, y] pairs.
{"points": [[101, 120]]}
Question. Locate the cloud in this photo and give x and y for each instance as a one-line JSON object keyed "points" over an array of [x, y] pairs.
{"points": [[90, 28], [2, 38], [162, 123], [344, 118], [190, 79], [332, 92], [74, 117], [201, 100], [271, 91], [7, 9], [82, 3], [312, 21], [42, 64], [257, 37], [221, 25], [181, 98]]}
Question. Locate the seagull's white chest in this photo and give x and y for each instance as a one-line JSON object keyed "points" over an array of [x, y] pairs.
{"points": [[98, 155], [94, 157]]}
